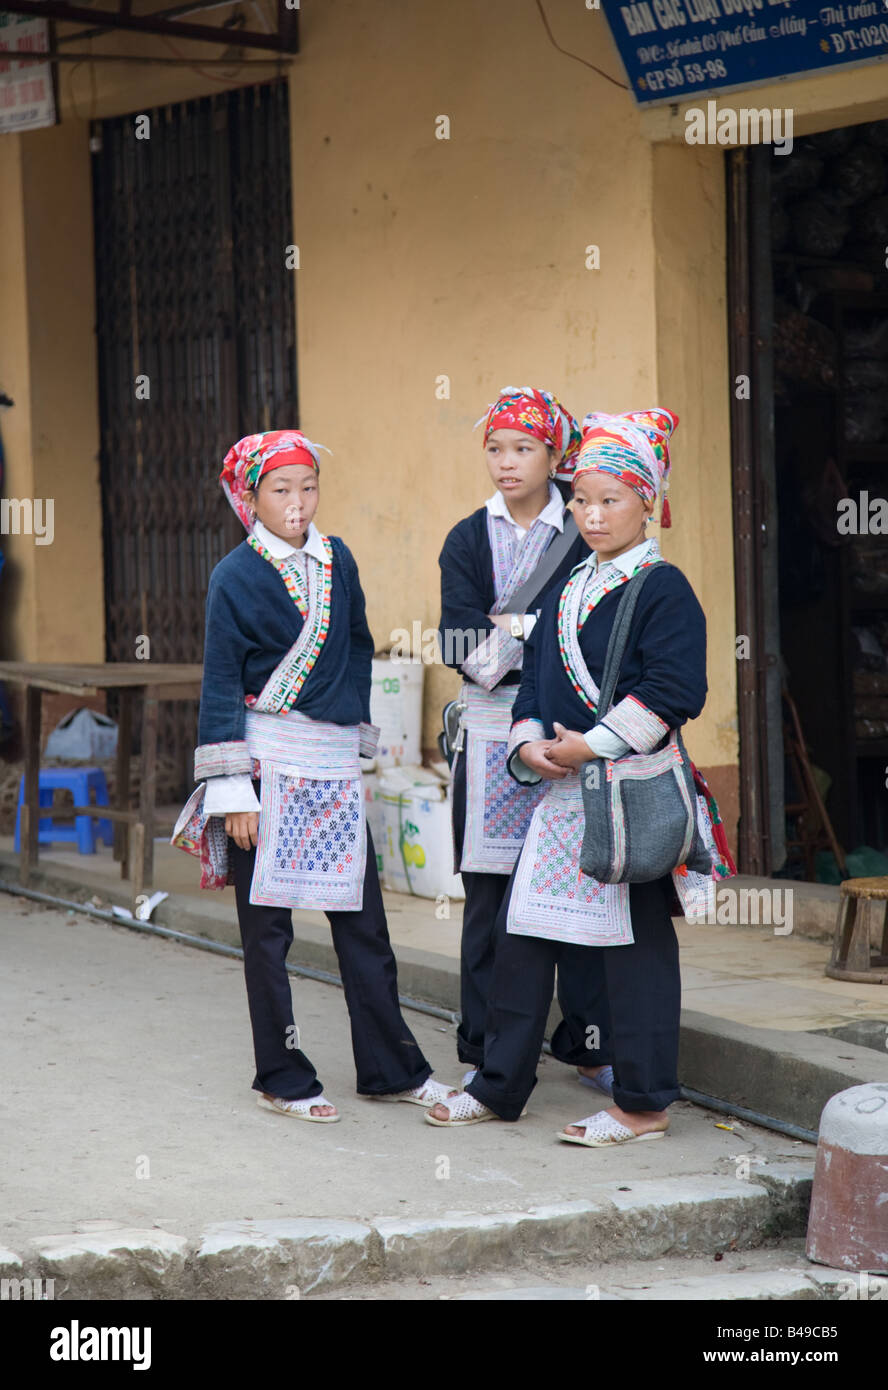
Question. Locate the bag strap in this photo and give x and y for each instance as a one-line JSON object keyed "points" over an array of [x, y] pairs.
{"points": [[558, 548], [616, 646]]}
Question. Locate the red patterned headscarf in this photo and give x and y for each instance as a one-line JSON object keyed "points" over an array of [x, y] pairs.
{"points": [[537, 413], [257, 454], [633, 448]]}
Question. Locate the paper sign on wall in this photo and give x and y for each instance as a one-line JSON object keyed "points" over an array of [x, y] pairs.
{"points": [[27, 101]]}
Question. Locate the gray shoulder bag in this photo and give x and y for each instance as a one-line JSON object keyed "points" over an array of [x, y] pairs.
{"points": [[641, 809]]}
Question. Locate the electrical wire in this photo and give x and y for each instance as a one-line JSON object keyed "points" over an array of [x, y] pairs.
{"points": [[567, 53]]}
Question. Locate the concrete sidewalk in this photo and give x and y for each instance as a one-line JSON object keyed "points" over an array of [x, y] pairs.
{"points": [[742, 974], [129, 1125]]}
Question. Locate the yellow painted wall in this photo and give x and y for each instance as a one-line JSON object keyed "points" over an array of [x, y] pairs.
{"points": [[68, 576], [17, 589], [51, 594], [420, 258], [463, 257], [692, 376]]}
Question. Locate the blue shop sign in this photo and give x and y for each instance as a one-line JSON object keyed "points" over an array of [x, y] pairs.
{"points": [[674, 49]]}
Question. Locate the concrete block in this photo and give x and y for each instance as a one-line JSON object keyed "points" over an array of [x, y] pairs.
{"points": [[460, 1241], [10, 1263], [116, 1264], [688, 1215], [282, 1258], [848, 1228]]}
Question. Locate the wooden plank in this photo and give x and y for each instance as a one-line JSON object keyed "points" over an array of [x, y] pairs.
{"points": [[148, 788], [186, 691], [81, 678], [122, 779], [137, 861], [31, 808]]}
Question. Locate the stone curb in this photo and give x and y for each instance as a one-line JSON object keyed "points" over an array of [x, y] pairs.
{"points": [[288, 1259]]}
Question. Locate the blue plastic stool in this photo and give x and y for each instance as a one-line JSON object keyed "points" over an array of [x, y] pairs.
{"points": [[79, 781]]}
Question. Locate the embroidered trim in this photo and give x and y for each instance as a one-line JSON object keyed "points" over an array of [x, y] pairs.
{"points": [[290, 571], [492, 658], [221, 759], [583, 592], [287, 679], [525, 731], [634, 722], [515, 560], [498, 808], [369, 738]]}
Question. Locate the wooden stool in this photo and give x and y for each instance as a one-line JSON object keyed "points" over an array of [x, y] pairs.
{"points": [[851, 958]]}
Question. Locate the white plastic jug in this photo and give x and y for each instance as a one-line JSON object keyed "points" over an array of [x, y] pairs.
{"points": [[417, 847], [396, 707]]}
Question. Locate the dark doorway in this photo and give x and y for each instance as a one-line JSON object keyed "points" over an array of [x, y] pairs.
{"points": [[196, 347], [809, 292]]}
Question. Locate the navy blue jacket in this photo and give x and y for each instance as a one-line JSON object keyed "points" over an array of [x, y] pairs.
{"points": [[252, 622], [467, 592], [664, 666]]}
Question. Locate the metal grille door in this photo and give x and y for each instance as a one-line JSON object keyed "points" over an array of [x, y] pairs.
{"points": [[196, 347]]}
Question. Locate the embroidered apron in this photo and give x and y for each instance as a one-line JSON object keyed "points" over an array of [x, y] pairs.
{"points": [[312, 848], [551, 897], [498, 809], [312, 831]]}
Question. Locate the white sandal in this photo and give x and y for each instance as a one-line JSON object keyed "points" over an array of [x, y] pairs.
{"points": [[428, 1094], [298, 1109], [602, 1129], [463, 1109]]}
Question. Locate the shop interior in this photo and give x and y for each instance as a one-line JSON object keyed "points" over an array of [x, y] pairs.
{"points": [[829, 246]]}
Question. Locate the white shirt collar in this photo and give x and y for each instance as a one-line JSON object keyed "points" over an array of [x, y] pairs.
{"points": [[552, 514], [281, 549], [626, 562]]}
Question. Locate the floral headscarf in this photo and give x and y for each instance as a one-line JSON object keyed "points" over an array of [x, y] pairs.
{"points": [[257, 454], [537, 413]]}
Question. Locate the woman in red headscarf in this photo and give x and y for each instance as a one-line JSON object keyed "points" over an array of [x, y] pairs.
{"points": [[285, 713], [492, 557], [551, 913]]}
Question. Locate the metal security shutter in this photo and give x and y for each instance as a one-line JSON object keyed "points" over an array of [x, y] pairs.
{"points": [[191, 229]]}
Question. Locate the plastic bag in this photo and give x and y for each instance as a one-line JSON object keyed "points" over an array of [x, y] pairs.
{"points": [[84, 735]]}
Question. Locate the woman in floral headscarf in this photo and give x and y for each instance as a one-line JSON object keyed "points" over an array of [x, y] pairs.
{"points": [[285, 712], [551, 913]]}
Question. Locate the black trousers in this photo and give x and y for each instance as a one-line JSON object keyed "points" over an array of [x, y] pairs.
{"points": [[579, 987], [638, 999], [387, 1056]]}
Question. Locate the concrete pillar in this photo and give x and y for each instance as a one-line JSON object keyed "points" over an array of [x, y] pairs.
{"points": [[848, 1224]]}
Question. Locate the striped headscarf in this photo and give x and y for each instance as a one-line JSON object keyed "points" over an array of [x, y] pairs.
{"points": [[539, 414], [633, 448], [257, 454]]}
